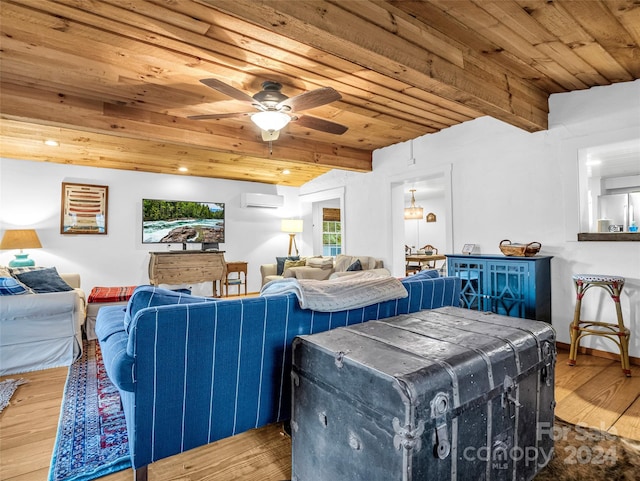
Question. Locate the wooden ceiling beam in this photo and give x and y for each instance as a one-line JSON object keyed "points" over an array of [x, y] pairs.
{"points": [[326, 26]]}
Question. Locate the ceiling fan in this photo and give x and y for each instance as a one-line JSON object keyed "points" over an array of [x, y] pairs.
{"points": [[276, 110]]}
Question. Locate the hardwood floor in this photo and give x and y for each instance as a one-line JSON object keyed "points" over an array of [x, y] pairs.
{"points": [[595, 392]]}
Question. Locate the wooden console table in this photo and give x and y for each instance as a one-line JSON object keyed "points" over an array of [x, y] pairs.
{"points": [[180, 267]]}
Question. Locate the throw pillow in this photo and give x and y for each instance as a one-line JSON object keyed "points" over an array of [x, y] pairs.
{"points": [[44, 280], [151, 296], [21, 270], [11, 287], [343, 261], [356, 266], [289, 263], [425, 274], [320, 262], [429, 273], [5, 272], [280, 263]]}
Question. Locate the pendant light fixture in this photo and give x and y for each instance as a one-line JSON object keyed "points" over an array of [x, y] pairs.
{"points": [[413, 212]]}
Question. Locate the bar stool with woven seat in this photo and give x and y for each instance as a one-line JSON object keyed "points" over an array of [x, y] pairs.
{"points": [[617, 332]]}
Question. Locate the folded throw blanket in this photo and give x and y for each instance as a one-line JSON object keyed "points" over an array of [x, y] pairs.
{"points": [[111, 294], [350, 292]]}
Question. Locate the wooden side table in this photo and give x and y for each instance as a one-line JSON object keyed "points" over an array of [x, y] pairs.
{"points": [[236, 276]]}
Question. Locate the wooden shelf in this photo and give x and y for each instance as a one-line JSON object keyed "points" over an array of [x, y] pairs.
{"points": [[609, 236]]}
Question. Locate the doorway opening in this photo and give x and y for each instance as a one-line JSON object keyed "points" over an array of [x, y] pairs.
{"points": [[313, 207], [419, 232], [331, 232], [433, 194]]}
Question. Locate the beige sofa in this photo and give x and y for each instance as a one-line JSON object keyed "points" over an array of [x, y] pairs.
{"points": [[40, 331], [323, 268]]}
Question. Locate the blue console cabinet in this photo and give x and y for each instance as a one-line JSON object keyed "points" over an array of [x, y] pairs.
{"points": [[511, 286]]}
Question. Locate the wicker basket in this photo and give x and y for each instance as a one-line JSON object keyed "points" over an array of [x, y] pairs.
{"points": [[519, 250]]}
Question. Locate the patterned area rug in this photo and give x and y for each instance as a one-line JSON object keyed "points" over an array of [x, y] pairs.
{"points": [[92, 436], [7, 388]]}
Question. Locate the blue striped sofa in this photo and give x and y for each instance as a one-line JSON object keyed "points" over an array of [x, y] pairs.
{"points": [[194, 370]]}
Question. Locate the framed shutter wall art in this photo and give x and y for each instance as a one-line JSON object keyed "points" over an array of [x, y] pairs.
{"points": [[84, 209]]}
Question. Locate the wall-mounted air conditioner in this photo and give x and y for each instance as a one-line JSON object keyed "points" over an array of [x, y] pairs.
{"points": [[261, 200]]}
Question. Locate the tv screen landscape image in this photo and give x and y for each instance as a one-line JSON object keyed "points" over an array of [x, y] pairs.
{"points": [[175, 222]]}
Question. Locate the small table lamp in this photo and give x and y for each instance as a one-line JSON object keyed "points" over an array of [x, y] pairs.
{"points": [[292, 226], [20, 239]]}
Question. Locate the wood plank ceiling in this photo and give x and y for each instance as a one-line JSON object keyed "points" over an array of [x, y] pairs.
{"points": [[114, 80]]}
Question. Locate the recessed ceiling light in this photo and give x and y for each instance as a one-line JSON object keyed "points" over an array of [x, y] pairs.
{"points": [[52, 143], [183, 169], [286, 172]]}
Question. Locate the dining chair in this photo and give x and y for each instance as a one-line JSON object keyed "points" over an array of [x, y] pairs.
{"points": [[434, 251], [410, 268]]}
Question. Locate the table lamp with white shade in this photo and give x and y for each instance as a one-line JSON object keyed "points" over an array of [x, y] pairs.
{"points": [[20, 239]]}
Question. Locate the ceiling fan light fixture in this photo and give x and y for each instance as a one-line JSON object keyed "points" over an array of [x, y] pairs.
{"points": [[270, 120]]}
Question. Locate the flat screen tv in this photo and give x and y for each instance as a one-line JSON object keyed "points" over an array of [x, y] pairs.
{"points": [[182, 222]]}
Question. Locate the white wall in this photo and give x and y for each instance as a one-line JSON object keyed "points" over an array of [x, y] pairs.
{"points": [[510, 184], [30, 196]]}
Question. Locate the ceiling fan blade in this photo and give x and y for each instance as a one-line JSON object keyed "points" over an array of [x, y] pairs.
{"points": [[219, 116], [228, 90], [321, 125], [311, 99]]}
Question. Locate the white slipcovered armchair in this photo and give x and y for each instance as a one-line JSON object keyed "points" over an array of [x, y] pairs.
{"points": [[41, 331]]}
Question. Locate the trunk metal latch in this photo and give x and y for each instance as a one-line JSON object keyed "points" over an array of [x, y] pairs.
{"points": [[439, 408], [509, 386], [549, 358]]}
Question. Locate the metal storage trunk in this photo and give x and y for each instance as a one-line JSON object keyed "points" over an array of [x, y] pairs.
{"points": [[446, 394]]}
